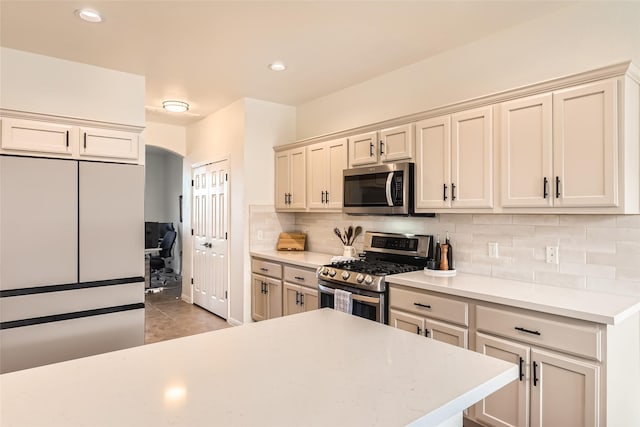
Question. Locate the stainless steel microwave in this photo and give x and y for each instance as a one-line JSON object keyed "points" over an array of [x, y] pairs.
{"points": [[379, 190]]}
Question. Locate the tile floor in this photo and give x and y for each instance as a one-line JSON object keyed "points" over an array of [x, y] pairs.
{"points": [[168, 317]]}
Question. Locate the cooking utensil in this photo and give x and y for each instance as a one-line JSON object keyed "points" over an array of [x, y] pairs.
{"points": [[339, 234], [356, 233], [349, 235]]}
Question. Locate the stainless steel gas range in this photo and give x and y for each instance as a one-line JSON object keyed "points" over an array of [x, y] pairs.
{"points": [[365, 278]]}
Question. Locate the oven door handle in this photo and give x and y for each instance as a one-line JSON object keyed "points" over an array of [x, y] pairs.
{"points": [[355, 297], [388, 188]]}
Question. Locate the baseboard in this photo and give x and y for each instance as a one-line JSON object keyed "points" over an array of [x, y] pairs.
{"points": [[234, 322], [186, 298]]}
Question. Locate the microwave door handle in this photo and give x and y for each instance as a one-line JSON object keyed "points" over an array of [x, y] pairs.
{"points": [[388, 189]]}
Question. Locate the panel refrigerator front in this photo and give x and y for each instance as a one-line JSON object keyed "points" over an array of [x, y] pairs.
{"points": [[111, 221], [38, 222]]}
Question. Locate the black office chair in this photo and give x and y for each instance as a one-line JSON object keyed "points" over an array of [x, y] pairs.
{"points": [[157, 263]]}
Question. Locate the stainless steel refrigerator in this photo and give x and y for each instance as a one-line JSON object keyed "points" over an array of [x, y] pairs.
{"points": [[71, 259]]}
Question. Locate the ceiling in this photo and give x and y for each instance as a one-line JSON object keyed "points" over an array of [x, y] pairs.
{"points": [[211, 53]]}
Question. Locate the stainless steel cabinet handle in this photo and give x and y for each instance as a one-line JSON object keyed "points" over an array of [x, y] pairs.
{"points": [[557, 187], [326, 197], [301, 299], [371, 149], [453, 191], [521, 369], [444, 192], [297, 298], [545, 193], [535, 374], [381, 148]]}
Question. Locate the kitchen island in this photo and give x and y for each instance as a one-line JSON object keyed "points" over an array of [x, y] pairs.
{"points": [[316, 368]]}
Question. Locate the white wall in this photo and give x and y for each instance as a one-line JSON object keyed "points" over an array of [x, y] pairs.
{"points": [[170, 137], [576, 38], [46, 85]]}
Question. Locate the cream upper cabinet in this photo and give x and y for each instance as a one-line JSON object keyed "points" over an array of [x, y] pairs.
{"points": [[392, 144], [30, 136], [561, 149], [585, 141], [104, 143], [290, 179], [325, 163], [454, 165], [60, 139], [526, 152], [433, 163], [472, 158]]}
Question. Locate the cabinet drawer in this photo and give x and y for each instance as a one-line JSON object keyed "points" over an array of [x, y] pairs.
{"points": [[271, 269], [429, 305], [300, 276], [568, 336]]}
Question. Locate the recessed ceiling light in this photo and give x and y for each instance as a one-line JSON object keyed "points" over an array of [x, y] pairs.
{"points": [[277, 66], [89, 15], [175, 106]]}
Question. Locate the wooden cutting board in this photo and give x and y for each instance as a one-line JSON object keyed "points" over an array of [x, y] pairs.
{"points": [[291, 241]]}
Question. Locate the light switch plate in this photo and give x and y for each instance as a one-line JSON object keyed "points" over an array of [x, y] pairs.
{"points": [[493, 249], [552, 255]]}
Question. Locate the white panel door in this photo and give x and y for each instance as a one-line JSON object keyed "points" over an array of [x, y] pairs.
{"points": [[200, 218], [317, 171], [282, 176], [38, 222], [211, 232], [564, 391], [108, 143], [472, 159], [37, 137], [433, 163], [396, 143], [298, 193], [111, 221], [585, 138], [337, 162], [527, 152], [363, 149]]}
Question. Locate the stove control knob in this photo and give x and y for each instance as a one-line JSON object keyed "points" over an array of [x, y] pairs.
{"points": [[345, 275], [359, 278], [368, 280], [321, 270], [331, 272]]}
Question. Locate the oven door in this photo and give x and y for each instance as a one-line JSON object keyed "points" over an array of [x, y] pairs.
{"points": [[370, 305]]}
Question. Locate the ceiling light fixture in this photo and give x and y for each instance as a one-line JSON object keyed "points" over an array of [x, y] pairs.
{"points": [[175, 106], [277, 66], [89, 15]]}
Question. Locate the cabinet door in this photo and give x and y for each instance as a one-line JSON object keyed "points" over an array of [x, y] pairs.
{"points": [[509, 406], [445, 332], [309, 299], [564, 391], [337, 162], [282, 173], [406, 322], [36, 137], [363, 149], [472, 159], [433, 163], [527, 154], [396, 143], [317, 175], [111, 221], [297, 179], [274, 298], [258, 298], [103, 143], [38, 222], [585, 135], [291, 299]]}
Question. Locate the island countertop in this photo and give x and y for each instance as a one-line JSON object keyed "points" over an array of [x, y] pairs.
{"points": [[316, 368]]}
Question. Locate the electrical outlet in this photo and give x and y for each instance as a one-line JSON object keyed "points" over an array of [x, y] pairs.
{"points": [[493, 249], [552, 255], [260, 235]]}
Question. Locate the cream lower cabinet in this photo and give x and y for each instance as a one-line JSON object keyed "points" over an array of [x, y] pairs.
{"points": [[429, 315], [559, 382], [300, 291], [266, 289]]}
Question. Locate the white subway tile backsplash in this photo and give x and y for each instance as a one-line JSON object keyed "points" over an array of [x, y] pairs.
{"points": [[601, 252]]}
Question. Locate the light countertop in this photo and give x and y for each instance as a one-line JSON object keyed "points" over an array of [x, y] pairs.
{"points": [[301, 258], [317, 368], [575, 303]]}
